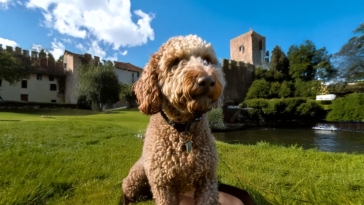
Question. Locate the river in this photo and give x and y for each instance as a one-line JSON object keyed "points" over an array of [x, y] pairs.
{"points": [[331, 141]]}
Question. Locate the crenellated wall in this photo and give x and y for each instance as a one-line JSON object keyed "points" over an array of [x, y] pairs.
{"points": [[239, 77], [39, 61]]}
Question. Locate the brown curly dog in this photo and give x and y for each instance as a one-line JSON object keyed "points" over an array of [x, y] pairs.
{"points": [[180, 83]]}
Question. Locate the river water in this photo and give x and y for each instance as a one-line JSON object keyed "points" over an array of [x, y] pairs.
{"points": [[307, 138]]}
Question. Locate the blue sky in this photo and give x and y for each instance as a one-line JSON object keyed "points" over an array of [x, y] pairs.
{"points": [[131, 30]]}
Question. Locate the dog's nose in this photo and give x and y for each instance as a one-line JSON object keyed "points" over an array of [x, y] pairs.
{"points": [[206, 81]]}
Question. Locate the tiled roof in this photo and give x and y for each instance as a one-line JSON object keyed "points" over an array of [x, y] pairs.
{"points": [[127, 66]]}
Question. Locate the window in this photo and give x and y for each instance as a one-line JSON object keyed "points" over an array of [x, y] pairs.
{"points": [[24, 97], [138, 74], [53, 101], [1, 81], [51, 78], [24, 84], [260, 45], [53, 87], [241, 49], [39, 77]]}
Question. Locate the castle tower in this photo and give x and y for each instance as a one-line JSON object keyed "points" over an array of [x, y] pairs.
{"points": [[249, 48]]}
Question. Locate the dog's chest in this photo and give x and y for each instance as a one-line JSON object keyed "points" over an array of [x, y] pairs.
{"points": [[175, 163]]}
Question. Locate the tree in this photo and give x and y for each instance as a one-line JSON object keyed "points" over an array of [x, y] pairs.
{"points": [[258, 89], [307, 63], [350, 58], [127, 93], [13, 68], [98, 84], [279, 63]]}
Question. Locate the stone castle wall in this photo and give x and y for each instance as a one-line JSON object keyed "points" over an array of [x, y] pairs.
{"points": [[239, 77], [38, 61]]}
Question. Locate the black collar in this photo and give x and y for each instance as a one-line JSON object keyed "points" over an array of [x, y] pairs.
{"points": [[181, 126]]}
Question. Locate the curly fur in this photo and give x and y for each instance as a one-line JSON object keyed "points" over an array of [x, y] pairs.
{"points": [[182, 79]]}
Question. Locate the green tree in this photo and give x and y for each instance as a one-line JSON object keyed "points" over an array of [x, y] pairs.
{"points": [[258, 89], [350, 58], [307, 89], [305, 61], [274, 89], [127, 93], [13, 68], [279, 64], [99, 85], [286, 89]]}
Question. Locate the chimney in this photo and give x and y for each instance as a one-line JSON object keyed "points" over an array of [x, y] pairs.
{"points": [[9, 48], [18, 50], [25, 53], [34, 54]]}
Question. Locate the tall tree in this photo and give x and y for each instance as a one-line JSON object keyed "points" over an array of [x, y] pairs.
{"points": [[98, 84], [279, 63], [305, 60], [350, 58], [13, 68]]}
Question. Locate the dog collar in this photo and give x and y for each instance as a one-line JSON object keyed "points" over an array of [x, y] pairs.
{"points": [[181, 126]]}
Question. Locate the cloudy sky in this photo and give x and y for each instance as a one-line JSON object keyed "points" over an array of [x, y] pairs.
{"points": [[131, 30]]}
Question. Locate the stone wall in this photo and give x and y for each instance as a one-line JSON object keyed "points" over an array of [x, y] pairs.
{"points": [[38, 62], [239, 76]]}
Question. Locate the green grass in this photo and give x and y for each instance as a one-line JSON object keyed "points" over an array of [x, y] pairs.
{"points": [[80, 157]]}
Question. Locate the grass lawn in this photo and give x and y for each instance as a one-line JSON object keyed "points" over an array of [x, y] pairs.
{"points": [[80, 157]]}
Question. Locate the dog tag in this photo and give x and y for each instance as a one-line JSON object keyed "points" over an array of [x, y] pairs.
{"points": [[188, 145]]}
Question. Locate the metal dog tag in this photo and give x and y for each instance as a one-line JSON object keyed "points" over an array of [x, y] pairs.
{"points": [[188, 145]]}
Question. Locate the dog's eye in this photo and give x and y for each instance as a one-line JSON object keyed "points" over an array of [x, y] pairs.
{"points": [[207, 60], [174, 63]]}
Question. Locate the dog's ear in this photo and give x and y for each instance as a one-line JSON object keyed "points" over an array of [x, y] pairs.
{"points": [[146, 88]]}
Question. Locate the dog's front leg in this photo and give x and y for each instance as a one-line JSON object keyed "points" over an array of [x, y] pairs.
{"points": [[164, 195], [206, 192]]}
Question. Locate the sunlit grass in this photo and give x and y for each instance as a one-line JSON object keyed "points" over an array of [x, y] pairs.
{"points": [[80, 157]]}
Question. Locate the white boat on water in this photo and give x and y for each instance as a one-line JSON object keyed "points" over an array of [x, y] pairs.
{"points": [[325, 127]]}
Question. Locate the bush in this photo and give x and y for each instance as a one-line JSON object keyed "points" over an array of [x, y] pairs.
{"points": [[349, 108], [216, 119], [258, 89], [286, 108]]}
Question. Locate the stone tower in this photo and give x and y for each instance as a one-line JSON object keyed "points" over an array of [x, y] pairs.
{"points": [[249, 48]]}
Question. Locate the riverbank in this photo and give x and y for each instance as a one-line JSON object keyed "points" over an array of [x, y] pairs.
{"points": [[80, 157]]}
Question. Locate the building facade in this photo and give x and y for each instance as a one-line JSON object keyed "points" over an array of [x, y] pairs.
{"points": [[250, 48], [56, 82]]}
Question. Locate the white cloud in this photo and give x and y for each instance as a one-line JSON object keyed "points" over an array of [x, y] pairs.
{"points": [[4, 4], [112, 58], [109, 21], [96, 50], [37, 47], [124, 53], [6, 42], [66, 40], [57, 49], [81, 47]]}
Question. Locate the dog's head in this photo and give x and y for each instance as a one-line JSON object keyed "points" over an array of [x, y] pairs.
{"points": [[183, 73]]}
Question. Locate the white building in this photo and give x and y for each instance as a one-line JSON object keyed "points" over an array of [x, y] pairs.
{"points": [[326, 97], [56, 82]]}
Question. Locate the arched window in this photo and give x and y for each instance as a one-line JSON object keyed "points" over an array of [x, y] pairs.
{"points": [[241, 49]]}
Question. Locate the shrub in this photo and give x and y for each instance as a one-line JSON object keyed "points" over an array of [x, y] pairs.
{"points": [[348, 108], [286, 108], [216, 119]]}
